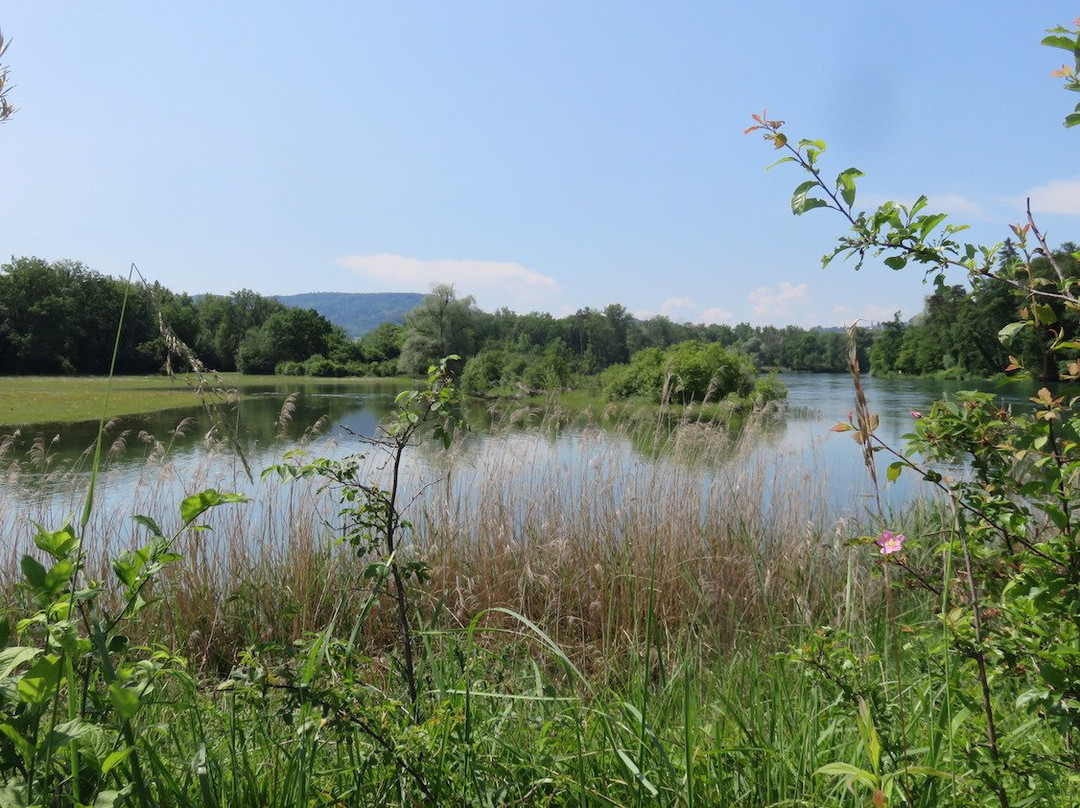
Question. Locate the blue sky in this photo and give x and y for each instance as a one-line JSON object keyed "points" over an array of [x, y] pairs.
{"points": [[543, 156]]}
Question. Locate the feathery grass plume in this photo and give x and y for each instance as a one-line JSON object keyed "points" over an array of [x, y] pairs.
{"points": [[119, 444], [210, 389], [288, 408], [7, 109], [41, 452], [865, 421]]}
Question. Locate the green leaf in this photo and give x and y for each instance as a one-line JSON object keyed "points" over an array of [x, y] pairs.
{"points": [[150, 524], [71, 730], [1010, 331], [1064, 42], [109, 797], [928, 223], [851, 774], [11, 658], [115, 759], [1072, 119], [1045, 313], [636, 773], [798, 198], [197, 504], [788, 159], [39, 684], [846, 183], [33, 572], [57, 543], [126, 566], [59, 575], [893, 472], [124, 699], [896, 262]]}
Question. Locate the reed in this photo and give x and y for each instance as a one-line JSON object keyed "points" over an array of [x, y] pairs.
{"points": [[567, 532]]}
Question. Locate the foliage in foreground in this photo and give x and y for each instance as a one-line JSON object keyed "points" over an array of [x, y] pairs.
{"points": [[1004, 577]]}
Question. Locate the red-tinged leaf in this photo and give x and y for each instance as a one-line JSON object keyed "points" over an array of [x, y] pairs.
{"points": [[752, 129], [841, 427], [780, 140]]}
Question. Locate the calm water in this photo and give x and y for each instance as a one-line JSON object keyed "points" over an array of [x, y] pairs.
{"points": [[798, 446]]}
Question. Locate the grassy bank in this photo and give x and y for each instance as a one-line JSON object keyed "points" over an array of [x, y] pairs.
{"points": [[32, 400]]}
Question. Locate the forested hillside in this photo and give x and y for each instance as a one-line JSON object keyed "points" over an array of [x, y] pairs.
{"points": [[356, 312]]}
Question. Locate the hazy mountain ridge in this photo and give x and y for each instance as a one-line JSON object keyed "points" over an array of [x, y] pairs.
{"points": [[356, 312]]}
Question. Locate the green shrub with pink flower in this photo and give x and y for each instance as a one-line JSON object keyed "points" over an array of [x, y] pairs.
{"points": [[983, 643]]}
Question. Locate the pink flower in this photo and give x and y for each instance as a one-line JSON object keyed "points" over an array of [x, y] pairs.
{"points": [[916, 414], [890, 542]]}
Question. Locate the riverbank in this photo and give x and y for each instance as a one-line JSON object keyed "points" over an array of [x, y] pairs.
{"points": [[28, 401]]}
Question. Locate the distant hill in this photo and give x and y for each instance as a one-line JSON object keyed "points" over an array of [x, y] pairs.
{"points": [[356, 312]]}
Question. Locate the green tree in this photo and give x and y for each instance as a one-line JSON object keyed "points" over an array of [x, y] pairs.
{"points": [[885, 353], [39, 309], [286, 335], [440, 326], [225, 321]]}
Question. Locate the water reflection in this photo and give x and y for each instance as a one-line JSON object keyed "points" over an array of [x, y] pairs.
{"points": [[169, 450]]}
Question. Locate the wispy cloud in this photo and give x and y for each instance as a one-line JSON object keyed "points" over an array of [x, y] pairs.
{"points": [[715, 315], [775, 303], [673, 305], [680, 310], [493, 283], [1056, 196]]}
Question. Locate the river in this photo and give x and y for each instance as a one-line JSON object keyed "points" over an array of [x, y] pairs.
{"points": [[171, 446]]}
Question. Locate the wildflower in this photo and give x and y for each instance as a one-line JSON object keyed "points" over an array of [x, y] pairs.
{"points": [[890, 542], [916, 414]]}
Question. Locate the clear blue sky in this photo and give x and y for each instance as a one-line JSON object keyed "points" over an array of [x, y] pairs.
{"points": [[540, 155]]}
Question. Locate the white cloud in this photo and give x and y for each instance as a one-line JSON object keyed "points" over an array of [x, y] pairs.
{"points": [[678, 309], [774, 303], [493, 283], [715, 315], [955, 205], [673, 305], [1057, 196]]}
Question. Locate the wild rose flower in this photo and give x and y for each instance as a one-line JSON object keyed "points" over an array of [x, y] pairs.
{"points": [[890, 542], [916, 414]]}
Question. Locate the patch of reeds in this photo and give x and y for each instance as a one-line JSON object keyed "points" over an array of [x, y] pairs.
{"points": [[569, 529]]}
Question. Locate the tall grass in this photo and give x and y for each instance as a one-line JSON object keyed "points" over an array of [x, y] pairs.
{"points": [[568, 533], [601, 628]]}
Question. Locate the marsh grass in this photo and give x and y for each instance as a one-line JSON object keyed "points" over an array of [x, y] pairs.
{"points": [[602, 626], [567, 532]]}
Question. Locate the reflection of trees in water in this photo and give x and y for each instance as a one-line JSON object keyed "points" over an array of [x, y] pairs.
{"points": [[258, 422]]}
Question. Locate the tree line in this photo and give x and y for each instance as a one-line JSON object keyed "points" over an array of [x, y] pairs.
{"points": [[960, 332], [60, 317]]}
